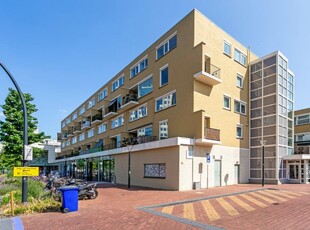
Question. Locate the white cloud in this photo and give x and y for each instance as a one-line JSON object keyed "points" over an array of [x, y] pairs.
{"points": [[62, 111]]}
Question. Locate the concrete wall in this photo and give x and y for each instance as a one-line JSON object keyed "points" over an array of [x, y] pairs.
{"points": [[169, 156]]}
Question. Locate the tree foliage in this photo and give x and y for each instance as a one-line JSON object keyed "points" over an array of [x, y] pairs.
{"points": [[11, 130]]}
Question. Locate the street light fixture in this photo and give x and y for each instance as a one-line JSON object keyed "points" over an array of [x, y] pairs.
{"points": [[25, 132], [263, 143]]}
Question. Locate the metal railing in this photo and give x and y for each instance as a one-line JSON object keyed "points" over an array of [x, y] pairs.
{"points": [[124, 143], [212, 134], [213, 70]]}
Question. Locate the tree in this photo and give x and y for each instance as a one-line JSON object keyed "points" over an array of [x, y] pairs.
{"points": [[11, 130]]}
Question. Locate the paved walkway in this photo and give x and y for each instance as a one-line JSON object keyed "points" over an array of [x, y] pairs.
{"points": [[230, 207]]}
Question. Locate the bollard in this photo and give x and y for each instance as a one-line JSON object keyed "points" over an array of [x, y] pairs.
{"points": [[12, 203]]}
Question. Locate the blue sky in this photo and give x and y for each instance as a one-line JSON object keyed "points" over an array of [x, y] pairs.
{"points": [[63, 51]]}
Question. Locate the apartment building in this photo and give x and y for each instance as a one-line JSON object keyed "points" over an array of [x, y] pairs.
{"points": [[298, 164], [184, 114]]}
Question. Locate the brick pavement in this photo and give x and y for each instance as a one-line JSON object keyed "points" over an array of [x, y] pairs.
{"points": [[117, 208]]}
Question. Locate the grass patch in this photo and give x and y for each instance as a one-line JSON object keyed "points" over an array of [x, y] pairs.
{"points": [[38, 199]]}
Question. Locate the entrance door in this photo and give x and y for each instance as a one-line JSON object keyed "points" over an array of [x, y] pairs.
{"points": [[294, 171], [108, 170], [237, 173], [217, 173]]}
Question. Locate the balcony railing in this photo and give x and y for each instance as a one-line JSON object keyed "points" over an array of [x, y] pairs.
{"points": [[124, 143], [211, 75], [85, 124], [130, 100], [212, 134], [77, 129]]}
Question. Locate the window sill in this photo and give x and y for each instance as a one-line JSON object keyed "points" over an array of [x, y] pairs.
{"points": [[228, 109], [165, 108], [161, 86], [228, 55], [240, 63]]}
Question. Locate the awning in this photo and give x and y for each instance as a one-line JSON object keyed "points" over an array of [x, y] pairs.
{"points": [[99, 143], [112, 102]]}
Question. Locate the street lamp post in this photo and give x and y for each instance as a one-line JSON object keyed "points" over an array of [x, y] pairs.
{"points": [[25, 132], [263, 143], [129, 147]]}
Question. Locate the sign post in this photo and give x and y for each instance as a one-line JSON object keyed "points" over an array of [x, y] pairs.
{"points": [[26, 171]]}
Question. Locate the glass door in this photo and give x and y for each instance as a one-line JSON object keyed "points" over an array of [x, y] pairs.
{"points": [[294, 171]]}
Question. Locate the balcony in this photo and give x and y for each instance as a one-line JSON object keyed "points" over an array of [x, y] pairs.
{"points": [[124, 143], [65, 136], [85, 124], [70, 132], [96, 118], [130, 100], [211, 75], [59, 136], [211, 137], [77, 129]]}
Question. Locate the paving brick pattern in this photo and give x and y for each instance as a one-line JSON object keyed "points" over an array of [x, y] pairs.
{"points": [[118, 208]]}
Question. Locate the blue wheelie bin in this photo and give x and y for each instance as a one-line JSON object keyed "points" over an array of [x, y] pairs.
{"points": [[69, 198]]}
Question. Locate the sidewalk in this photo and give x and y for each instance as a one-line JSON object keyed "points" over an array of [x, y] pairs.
{"points": [[116, 207], [14, 223]]}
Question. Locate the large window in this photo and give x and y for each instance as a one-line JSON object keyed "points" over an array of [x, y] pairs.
{"points": [[119, 121], [240, 107], [164, 75], [140, 66], [91, 103], [118, 83], [68, 120], [226, 102], [240, 57], [165, 47], [90, 133], [165, 101], [227, 48], [302, 119], [145, 87], [163, 130], [103, 94], [102, 128], [82, 110], [138, 113], [74, 140], [81, 137], [74, 116], [155, 171], [145, 131]]}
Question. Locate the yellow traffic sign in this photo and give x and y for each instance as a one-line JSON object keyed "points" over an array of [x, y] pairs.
{"points": [[26, 171]]}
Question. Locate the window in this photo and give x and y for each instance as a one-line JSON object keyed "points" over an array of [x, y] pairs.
{"points": [[118, 83], [227, 48], [81, 137], [240, 107], [68, 143], [165, 47], [163, 130], [102, 128], [119, 121], [73, 140], [74, 116], [82, 110], [63, 144], [140, 66], [138, 113], [63, 124], [145, 131], [239, 81], [103, 94], [155, 171], [68, 120], [239, 131], [91, 103], [145, 87], [303, 119], [226, 102], [90, 133], [164, 76], [165, 101], [240, 57]]}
